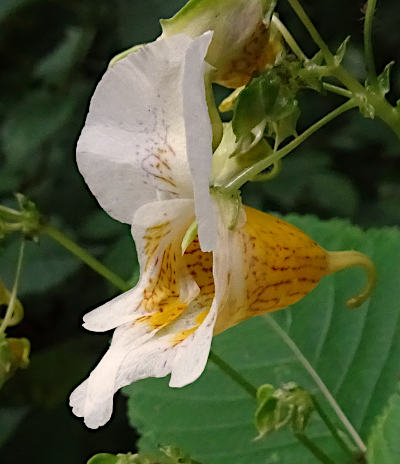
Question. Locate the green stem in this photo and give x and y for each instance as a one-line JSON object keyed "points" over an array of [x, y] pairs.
{"points": [[252, 171], [368, 47], [337, 90], [319, 382], [295, 4], [381, 106], [13, 297], [332, 428], [275, 171], [288, 38], [233, 374], [84, 256], [317, 452]]}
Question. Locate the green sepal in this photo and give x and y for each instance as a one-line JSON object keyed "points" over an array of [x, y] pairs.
{"points": [[382, 83], [384, 79], [341, 51], [14, 355], [289, 405]]}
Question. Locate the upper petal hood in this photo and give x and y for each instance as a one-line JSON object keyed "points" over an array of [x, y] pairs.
{"points": [[133, 148]]}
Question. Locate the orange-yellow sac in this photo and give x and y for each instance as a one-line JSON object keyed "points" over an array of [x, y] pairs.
{"points": [[273, 265], [281, 265]]}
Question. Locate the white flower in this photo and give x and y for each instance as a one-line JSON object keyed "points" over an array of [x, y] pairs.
{"points": [[145, 152]]}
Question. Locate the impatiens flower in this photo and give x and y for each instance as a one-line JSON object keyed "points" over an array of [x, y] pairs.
{"points": [[145, 152], [244, 42]]}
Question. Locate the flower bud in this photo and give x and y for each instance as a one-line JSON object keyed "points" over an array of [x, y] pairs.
{"points": [[290, 405], [244, 43]]}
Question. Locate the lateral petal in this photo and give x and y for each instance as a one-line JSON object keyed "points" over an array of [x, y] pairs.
{"points": [[155, 227]]}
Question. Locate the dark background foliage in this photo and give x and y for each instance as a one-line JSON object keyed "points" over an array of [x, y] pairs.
{"points": [[52, 53]]}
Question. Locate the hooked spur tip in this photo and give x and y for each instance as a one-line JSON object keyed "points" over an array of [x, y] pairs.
{"points": [[339, 260]]}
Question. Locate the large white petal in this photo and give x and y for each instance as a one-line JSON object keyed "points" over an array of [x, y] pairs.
{"points": [[132, 149], [199, 139], [132, 356], [168, 219]]}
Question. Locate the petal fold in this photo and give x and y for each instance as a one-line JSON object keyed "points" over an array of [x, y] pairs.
{"points": [[199, 139]]}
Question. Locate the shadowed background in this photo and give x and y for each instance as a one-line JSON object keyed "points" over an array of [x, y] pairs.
{"points": [[53, 53]]}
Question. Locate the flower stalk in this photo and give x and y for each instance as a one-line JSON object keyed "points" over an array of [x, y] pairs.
{"points": [[13, 297], [368, 44], [84, 256]]}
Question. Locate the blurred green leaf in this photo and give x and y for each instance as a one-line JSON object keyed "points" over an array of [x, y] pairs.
{"points": [[32, 122], [10, 418], [383, 443], [212, 418], [54, 372], [8, 7], [46, 264], [100, 226], [56, 67], [308, 178], [121, 258]]}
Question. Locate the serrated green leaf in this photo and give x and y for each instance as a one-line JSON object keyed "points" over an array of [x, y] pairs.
{"points": [[355, 352], [383, 443]]}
